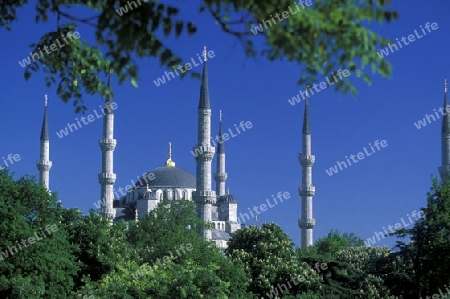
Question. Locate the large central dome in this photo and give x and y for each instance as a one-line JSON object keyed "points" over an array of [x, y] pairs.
{"points": [[168, 177]]}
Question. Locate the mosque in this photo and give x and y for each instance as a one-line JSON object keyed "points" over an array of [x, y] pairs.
{"points": [[170, 182], [167, 182]]}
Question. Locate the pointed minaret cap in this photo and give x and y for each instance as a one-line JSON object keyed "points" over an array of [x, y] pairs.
{"points": [[169, 162], [221, 146], [306, 124], [446, 119], [44, 130], [204, 91]]}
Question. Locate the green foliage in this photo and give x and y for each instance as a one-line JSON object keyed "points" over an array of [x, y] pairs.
{"points": [[426, 258], [175, 261], [169, 225], [334, 242], [171, 280], [42, 267], [338, 280], [367, 268], [321, 39], [268, 257], [163, 255], [96, 253]]}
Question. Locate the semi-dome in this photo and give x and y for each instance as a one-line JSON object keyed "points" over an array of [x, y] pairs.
{"points": [[227, 198], [168, 177]]}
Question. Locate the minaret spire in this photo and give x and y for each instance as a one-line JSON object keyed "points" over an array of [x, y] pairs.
{"points": [[204, 153], [44, 164], [307, 190], [444, 169], [204, 91], [220, 176], [107, 144], [169, 162]]}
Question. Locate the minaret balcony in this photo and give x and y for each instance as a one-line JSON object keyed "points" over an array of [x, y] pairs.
{"points": [[44, 165], [205, 196], [221, 177], [306, 191], [107, 212], [204, 152], [106, 178], [107, 144], [307, 223], [307, 160]]}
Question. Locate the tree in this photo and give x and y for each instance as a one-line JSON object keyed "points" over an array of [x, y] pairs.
{"points": [[169, 280], [165, 228], [175, 260], [322, 38], [426, 258], [268, 257], [367, 268], [35, 255], [98, 246], [337, 279], [334, 242]]}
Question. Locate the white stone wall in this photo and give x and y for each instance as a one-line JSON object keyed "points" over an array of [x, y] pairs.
{"points": [[232, 227], [222, 244], [145, 206], [232, 212]]}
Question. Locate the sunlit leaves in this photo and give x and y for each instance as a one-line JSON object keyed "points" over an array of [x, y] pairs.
{"points": [[321, 38], [267, 255]]}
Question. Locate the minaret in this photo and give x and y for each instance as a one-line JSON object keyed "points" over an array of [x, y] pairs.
{"points": [[44, 164], [444, 170], [204, 196], [107, 177], [307, 190], [220, 176]]}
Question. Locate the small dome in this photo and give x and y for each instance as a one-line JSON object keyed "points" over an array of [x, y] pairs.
{"points": [[227, 198]]}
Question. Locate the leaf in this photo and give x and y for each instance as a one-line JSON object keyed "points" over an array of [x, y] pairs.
{"points": [[133, 82]]}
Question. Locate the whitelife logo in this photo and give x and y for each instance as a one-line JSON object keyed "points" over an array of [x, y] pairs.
{"points": [[285, 14], [416, 216], [411, 38], [323, 85], [90, 118], [52, 47], [225, 137], [360, 156], [184, 68], [10, 158]]}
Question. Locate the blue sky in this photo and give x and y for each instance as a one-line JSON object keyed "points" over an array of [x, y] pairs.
{"points": [[377, 191]]}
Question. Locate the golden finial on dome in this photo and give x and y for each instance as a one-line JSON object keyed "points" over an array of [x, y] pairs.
{"points": [[169, 162]]}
